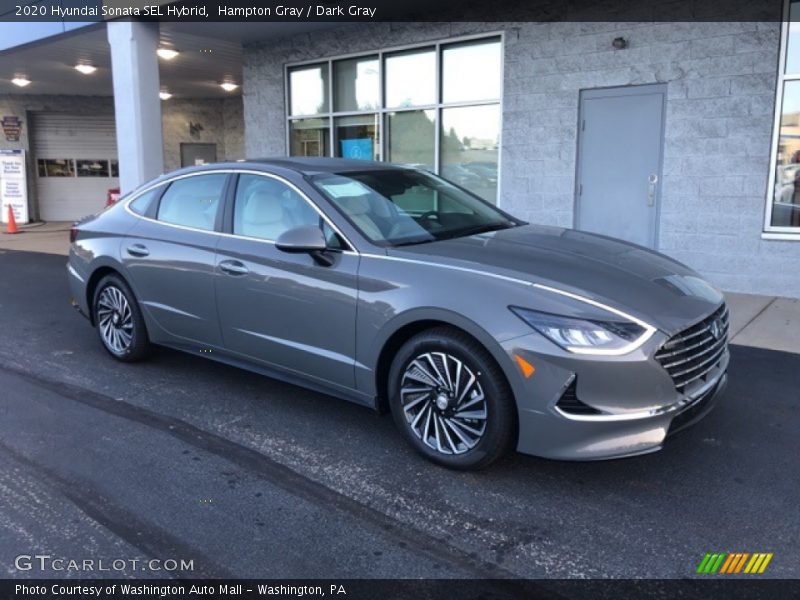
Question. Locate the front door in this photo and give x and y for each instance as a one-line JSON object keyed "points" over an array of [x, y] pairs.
{"points": [[619, 162], [281, 309]]}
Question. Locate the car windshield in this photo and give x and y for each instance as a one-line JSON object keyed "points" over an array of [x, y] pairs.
{"points": [[398, 207]]}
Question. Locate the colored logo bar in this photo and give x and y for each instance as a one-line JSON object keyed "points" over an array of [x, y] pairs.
{"points": [[734, 562]]}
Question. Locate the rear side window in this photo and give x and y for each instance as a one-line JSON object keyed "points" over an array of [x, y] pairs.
{"points": [[193, 201], [141, 204]]}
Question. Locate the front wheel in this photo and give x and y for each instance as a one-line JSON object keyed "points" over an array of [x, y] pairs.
{"points": [[451, 401], [119, 320]]}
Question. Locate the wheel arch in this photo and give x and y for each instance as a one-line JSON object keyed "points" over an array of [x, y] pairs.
{"points": [[94, 279], [406, 326]]}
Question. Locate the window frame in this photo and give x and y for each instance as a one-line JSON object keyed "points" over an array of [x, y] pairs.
{"points": [[383, 111], [773, 232], [224, 224]]}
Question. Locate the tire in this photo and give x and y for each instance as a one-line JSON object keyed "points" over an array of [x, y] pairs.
{"points": [[447, 436], [118, 320]]}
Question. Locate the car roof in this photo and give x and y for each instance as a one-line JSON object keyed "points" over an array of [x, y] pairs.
{"points": [[282, 165], [312, 165], [306, 165]]}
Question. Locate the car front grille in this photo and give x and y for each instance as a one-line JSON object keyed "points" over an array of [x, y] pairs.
{"points": [[692, 353]]}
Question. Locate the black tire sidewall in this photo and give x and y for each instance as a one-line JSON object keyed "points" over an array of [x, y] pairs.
{"points": [[139, 345], [500, 427]]}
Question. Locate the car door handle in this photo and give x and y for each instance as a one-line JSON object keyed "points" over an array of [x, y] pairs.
{"points": [[138, 250], [233, 267]]}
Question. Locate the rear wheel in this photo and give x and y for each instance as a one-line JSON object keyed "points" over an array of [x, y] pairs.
{"points": [[451, 401], [119, 321]]}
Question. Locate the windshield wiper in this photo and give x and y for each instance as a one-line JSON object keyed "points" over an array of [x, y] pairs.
{"points": [[413, 242], [484, 228]]}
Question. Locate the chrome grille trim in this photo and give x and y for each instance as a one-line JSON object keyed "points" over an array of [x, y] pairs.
{"points": [[686, 358], [707, 348]]}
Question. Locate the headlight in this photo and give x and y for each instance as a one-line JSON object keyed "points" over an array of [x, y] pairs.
{"points": [[587, 336]]}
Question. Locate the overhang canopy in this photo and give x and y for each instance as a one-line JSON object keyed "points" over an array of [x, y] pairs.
{"points": [[210, 53]]}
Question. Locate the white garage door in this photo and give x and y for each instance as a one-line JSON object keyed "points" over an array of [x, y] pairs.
{"points": [[76, 163]]}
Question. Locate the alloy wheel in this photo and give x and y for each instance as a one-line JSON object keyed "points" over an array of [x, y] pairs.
{"points": [[443, 403], [115, 319]]}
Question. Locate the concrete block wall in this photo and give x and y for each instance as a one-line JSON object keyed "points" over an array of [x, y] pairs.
{"points": [[721, 91], [221, 121]]}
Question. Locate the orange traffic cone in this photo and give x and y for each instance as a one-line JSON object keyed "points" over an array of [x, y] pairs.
{"points": [[11, 225]]}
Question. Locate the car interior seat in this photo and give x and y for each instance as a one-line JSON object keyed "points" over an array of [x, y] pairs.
{"points": [[263, 216], [359, 210]]}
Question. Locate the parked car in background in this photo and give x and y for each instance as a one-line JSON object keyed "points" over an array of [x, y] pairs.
{"points": [[392, 288], [460, 175], [485, 170]]}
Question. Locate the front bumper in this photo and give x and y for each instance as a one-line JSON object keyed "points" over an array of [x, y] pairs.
{"points": [[637, 405]]}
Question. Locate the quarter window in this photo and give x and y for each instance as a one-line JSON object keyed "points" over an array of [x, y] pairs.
{"points": [[141, 204], [193, 201], [435, 107]]}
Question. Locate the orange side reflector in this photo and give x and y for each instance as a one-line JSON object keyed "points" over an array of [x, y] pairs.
{"points": [[527, 368]]}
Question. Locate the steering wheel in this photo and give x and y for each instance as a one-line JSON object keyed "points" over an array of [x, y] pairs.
{"points": [[431, 214]]}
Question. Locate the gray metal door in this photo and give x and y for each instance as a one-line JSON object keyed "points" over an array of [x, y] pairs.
{"points": [[198, 154], [621, 132]]}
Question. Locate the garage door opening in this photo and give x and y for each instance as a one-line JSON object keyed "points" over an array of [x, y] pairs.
{"points": [[76, 163]]}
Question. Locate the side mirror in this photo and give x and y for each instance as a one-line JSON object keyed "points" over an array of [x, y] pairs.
{"points": [[307, 239]]}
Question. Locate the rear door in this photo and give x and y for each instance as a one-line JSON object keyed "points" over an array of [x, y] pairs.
{"points": [[281, 309], [169, 255]]}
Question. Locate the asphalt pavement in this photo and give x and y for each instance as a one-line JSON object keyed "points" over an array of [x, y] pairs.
{"points": [[182, 458]]}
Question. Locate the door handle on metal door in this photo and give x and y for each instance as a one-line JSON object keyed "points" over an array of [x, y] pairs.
{"points": [[651, 189], [137, 250], [233, 267]]}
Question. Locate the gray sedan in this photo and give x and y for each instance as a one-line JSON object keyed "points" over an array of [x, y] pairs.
{"points": [[395, 289]]}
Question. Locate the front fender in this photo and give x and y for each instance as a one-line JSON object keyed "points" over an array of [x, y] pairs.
{"points": [[367, 370]]}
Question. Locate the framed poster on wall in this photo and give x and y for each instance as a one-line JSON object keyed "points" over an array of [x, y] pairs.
{"points": [[13, 185]]}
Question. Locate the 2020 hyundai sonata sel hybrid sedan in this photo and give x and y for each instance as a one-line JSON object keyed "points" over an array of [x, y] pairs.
{"points": [[393, 288]]}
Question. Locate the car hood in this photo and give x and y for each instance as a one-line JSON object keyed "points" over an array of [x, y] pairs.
{"points": [[643, 283]]}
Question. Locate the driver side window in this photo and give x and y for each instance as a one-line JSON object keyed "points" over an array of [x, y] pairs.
{"points": [[265, 208]]}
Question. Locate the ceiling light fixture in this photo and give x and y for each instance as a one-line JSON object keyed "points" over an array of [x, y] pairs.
{"points": [[20, 80], [164, 95], [228, 86], [85, 69], [167, 53]]}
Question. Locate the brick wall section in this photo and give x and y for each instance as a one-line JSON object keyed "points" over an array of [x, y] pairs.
{"points": [[721, 90]]}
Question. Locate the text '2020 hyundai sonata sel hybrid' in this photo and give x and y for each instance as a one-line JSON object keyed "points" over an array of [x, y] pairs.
{"points": [[393, 288]]}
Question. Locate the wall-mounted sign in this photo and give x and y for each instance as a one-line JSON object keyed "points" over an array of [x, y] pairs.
{"points": [[12, 127], [359, 149], [13, 185]]}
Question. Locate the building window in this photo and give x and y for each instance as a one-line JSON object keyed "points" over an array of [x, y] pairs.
{"points": [[92, 168], [783, 203], [436, 107], [56, 167]]}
